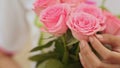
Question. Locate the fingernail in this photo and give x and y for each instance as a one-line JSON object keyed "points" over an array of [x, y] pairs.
{"points": [[99, 36], [91, 39], [82, 44]]}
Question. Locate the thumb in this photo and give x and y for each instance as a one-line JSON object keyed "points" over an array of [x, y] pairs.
{"points": [[114, 41]]}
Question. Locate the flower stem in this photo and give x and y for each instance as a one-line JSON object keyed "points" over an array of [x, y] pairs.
{"points": [[103, 4], [41, 39], [37, 22], [65, 56]]}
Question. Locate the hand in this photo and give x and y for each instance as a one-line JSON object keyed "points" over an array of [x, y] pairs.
{"points": [[7, 61], [110, 58]]}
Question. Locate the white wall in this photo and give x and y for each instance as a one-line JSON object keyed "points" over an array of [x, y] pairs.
{"points": [[112, 5]]}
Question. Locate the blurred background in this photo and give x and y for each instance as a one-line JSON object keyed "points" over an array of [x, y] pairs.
{"points": [[17, 27]]}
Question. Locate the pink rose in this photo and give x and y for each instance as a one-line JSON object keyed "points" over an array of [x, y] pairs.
{"points": [[54, 18], [113, 24], [42, 4], [75, 3], [83, 25], [91, 2], [93, 10]]}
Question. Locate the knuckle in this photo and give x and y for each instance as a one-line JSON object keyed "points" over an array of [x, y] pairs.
{"points": [[114, 39], [110, 38], [87, 52], [99, 65], [107, 56], [117, 40], [118, 66], [84, 52]]}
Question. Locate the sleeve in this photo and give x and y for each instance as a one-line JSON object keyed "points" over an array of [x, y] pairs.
{"points": [[13, 26]]}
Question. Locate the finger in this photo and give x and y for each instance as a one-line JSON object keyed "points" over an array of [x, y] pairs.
{"points": [[99, 47], [7, 62], [109, 39], [105, 65], [100, 65], [82, 61], [88, 56], [114, 58]]}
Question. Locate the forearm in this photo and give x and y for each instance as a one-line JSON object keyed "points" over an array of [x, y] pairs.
{"points": [[7, 62]]}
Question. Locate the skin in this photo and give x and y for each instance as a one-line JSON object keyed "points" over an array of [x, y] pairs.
{"points": [[109, 58], [7, 61]]}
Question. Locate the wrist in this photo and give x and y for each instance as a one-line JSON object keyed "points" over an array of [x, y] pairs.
{"points": [[4, 54]]}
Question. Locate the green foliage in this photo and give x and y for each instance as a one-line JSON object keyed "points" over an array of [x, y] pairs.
{"points": [[103, 7], [59, 48], [51, 63], [74, 65], [40, 42], [118, 16], [40, 47], [43, 57], [64, 54], [37, 22], [72, 41]]}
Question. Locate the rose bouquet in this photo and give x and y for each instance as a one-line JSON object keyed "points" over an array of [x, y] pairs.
{"points": [[68, 22]]}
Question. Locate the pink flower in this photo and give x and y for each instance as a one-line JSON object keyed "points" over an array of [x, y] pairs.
{"points": [[75, 3], [83, 25], [91, 2], [113, 24], [54, 18], [42, 4], [93, 10]]}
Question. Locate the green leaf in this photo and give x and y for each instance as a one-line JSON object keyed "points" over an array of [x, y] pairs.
{"points": [[74, 48], [74, 51], [103, 2], [74, 65], [43, 46], [72, 41], [66, 53], [104, 8], [59, 47], [43, 57], [37, 22], [51, 63], [49, 37], [40, 42], [68, 35], [118, 16]]}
